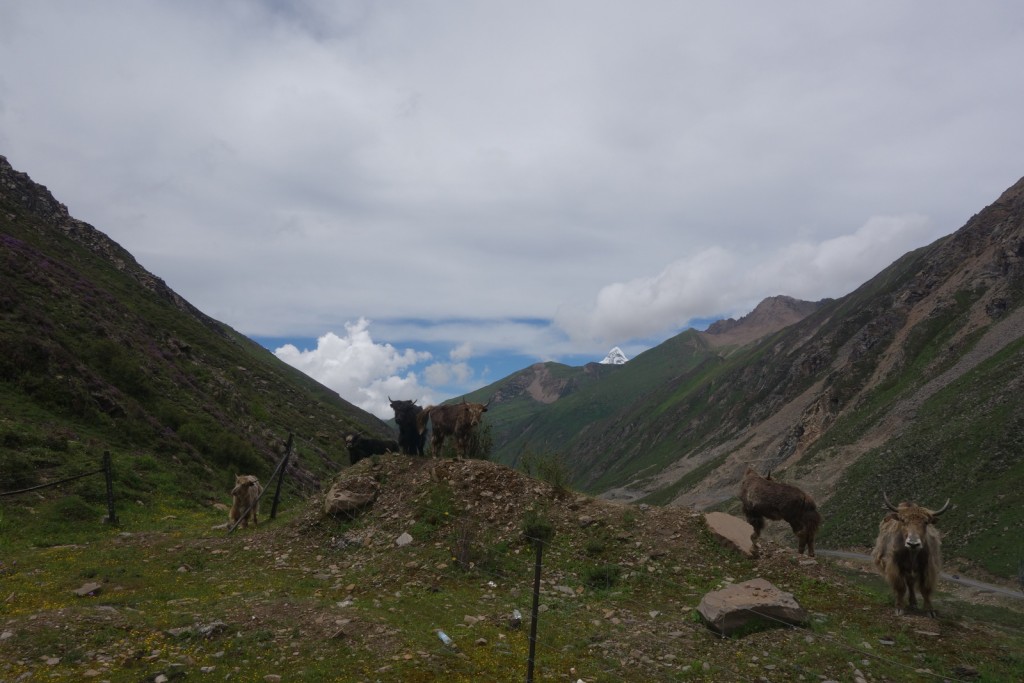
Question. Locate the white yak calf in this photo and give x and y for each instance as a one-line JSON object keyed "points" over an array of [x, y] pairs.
{"points": [[244, 499]]}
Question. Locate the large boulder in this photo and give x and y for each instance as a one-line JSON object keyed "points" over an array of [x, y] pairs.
{"points": [[350, 495], [752, 602], [732, 532]]}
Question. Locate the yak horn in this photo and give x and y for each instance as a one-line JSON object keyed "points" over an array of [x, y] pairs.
{"points": [[941, 509], [888, 504]]}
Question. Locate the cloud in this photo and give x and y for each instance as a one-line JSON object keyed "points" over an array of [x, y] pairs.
{"points": [[367, 373], [362, 371], [719, 282], [480, 174]]}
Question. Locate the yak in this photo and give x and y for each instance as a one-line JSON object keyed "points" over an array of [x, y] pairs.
{"points": [[360, 447], [245, 500], [908, 552], [410, 440], [458, 421], [764, 498]]}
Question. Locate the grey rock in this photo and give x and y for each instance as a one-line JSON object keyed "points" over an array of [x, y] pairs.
{"points": [[754, 601], [732, 532]]}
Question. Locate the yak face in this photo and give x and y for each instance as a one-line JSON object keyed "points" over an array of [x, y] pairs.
{"points": [[913, 521], [405, 411], [473, 413], [243, 482]]}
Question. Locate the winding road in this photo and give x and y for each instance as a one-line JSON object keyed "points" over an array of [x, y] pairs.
{"points": [[955, 578]]}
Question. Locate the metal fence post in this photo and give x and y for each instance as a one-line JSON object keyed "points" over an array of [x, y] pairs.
{"points": [[536, 609]]}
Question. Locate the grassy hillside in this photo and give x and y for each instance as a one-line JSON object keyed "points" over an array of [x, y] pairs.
{"points": [[315, 598], [97, 354]]}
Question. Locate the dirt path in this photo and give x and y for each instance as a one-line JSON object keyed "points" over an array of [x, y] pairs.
{"points": [[1001, 591]]}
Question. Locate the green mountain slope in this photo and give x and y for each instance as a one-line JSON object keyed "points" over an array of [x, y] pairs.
{"points": [[98, 354]]}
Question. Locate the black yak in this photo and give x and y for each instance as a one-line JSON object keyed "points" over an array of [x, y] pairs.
{"points": [[410, 440], [360, 447]]}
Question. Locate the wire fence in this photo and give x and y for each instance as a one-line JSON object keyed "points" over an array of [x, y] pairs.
{"points": [[107, 470]]}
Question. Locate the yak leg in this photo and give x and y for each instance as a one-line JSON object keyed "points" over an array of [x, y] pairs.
{"points": [[467, 441], [926, 599], [757, 522], [436, 441], [801, 536], [899, 589], [804, 540]]}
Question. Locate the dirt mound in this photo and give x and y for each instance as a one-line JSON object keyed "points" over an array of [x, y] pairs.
{"points": [[483, 496]]}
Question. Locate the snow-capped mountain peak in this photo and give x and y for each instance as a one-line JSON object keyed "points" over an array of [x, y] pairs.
{"points": [[615, 357]]}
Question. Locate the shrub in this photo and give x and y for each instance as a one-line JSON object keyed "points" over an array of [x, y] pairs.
{"points": [[603, 576], [537, 526], [548, 467], [17, 471]]}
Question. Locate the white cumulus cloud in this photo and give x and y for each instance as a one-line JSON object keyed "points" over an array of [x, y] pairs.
{"points": [[362, 371], [718, 281]]}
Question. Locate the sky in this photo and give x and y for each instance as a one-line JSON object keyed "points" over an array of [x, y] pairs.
{"points": [[415, 199]]}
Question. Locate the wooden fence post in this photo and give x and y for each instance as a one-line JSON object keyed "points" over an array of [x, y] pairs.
{"points": [[108, 474], [284, 466]]}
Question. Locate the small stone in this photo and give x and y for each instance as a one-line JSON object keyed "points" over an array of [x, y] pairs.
{"points": [[403, 540], [272, 678], [88, 589]]}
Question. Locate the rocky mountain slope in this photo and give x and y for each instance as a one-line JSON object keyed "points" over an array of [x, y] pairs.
{"points": [[909, 385]]}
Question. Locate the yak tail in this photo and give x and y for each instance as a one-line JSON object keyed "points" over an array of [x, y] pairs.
{"points": [[421, 419]]}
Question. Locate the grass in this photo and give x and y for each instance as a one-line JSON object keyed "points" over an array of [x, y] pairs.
{"points": [[184, 599]]}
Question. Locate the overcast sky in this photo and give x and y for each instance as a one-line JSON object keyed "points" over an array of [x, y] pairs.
{"points": [[425, 196]]}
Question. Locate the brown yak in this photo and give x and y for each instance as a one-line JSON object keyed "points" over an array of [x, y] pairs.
{"points": [[763, 498], [908, 552], [458, 420]]}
